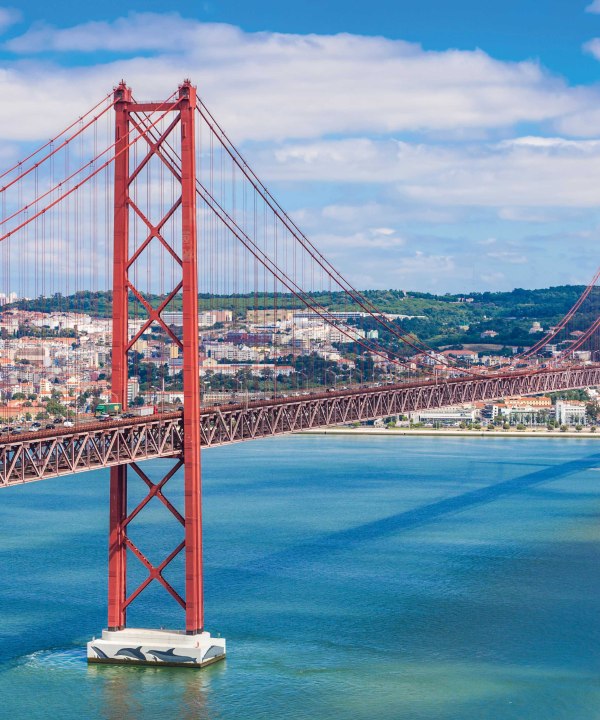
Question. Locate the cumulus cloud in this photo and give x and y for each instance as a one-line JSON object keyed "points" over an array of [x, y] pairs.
{"points": [[368, 239], [129, 35], [522, 172], [409, 162], [530, 175], [593, 7], [592, 47], [268, 86], [348, 216]]}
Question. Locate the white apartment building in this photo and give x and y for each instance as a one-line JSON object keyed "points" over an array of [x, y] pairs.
{"points": [[230, 351], [570, 412], [444, 415]]}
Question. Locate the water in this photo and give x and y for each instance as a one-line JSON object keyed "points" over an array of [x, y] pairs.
{"points": [[354, 577]]}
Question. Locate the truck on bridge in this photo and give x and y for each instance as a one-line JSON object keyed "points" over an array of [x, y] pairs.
{"points": [[104, 410], [108, 409]]}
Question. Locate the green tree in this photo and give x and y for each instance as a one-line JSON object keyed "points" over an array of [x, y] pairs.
{"points": [[592, 410], [94, 401], [53, 407]]}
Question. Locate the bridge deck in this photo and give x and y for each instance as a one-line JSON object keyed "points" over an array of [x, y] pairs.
{"points": [[51, 453]]}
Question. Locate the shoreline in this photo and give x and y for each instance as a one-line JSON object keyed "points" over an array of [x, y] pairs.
{"points": [[403, 432]]}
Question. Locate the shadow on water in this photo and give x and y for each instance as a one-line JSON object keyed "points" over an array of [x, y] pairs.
{"points": [[420, 516]]}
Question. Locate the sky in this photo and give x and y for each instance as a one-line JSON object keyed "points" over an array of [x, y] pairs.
{"points": [[433, 145]]}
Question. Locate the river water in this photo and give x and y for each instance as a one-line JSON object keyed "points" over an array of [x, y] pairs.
{"points": [[353, 577]]}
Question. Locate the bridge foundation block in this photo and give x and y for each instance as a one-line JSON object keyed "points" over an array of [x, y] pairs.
{"points": [[169, 648]]}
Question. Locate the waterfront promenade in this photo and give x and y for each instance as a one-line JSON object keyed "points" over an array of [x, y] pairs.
{"points": [[453, 432]]}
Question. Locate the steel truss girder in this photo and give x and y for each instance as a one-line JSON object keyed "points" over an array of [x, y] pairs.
{"points": [[221, 426], [68, 453], [123, 442]]}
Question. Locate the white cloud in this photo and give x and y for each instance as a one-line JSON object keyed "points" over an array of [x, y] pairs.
{"points": [[559, 143], [523, 172], [383, 231], [592, 47], [537, 215], [565, 176], [593, 7], [508, 257], [128, 35], [409, 162], [8, 17], [266, 86], [367, 239], [406, 269], [366, 214]]}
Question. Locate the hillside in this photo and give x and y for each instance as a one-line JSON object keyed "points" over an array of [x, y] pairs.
{"points": [[445, 319]]}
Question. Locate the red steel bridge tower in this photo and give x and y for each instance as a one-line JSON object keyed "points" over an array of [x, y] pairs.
{"points": [[172, 143], [172, 169]]}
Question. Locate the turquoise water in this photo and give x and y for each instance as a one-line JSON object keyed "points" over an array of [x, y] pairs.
{"points": [[353, 577]]}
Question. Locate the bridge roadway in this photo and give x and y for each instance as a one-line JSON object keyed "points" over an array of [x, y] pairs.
{"points": [[65, 451]]}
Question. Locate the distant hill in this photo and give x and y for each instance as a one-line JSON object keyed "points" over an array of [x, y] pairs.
{"points": [[449, 319]]}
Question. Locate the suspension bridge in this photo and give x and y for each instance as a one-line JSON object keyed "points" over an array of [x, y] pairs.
{"points": [[147, 214]]}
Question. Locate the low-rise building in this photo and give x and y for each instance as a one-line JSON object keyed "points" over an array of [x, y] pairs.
{"points": [[570, 412], [445, 415]]}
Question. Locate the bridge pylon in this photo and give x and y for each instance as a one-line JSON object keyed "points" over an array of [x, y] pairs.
{"points": [[169, 129]]}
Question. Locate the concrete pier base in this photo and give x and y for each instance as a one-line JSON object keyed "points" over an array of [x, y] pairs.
{"points": [[171, 648]]}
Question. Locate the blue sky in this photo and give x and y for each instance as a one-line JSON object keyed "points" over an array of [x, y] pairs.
{"points": [[431, 145]]}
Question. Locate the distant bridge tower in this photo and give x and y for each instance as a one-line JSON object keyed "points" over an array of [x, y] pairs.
{"points": [[169, 129]]}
